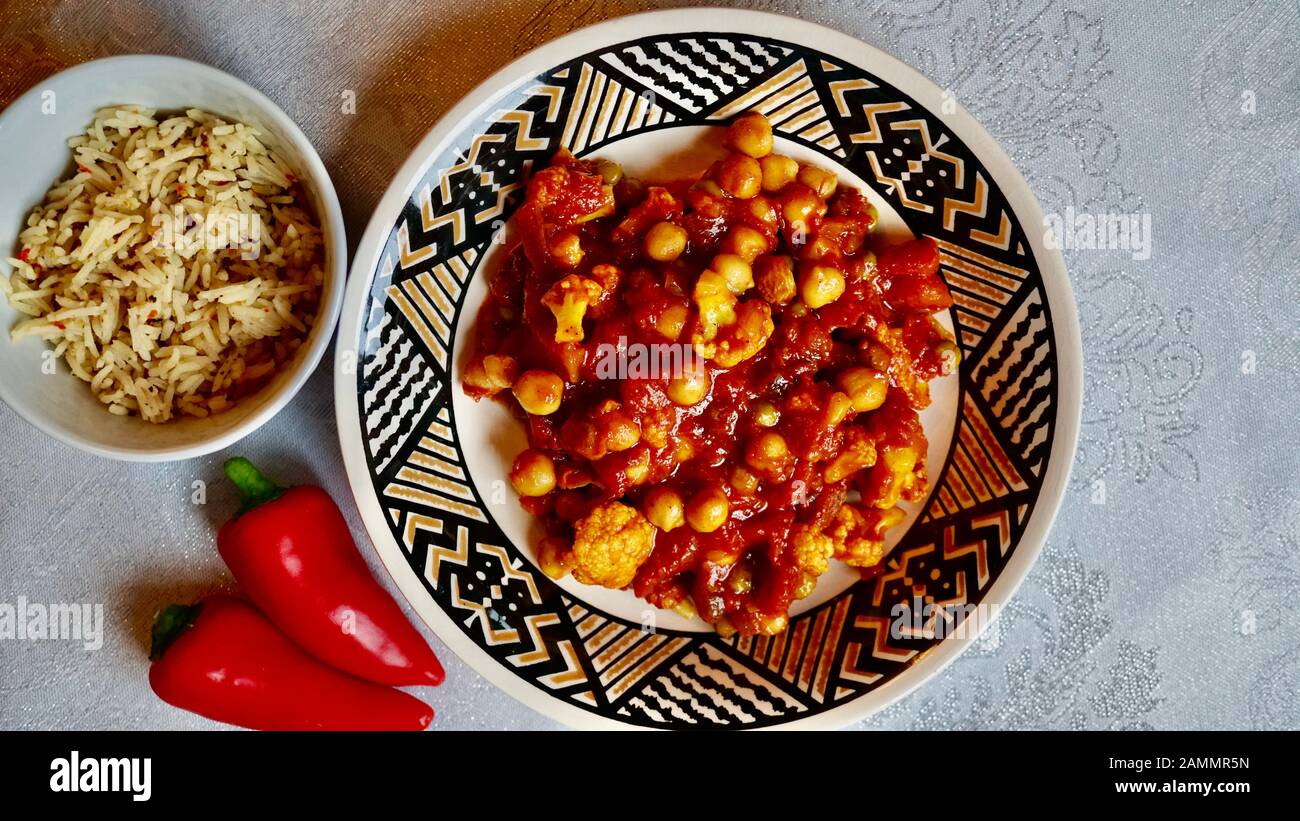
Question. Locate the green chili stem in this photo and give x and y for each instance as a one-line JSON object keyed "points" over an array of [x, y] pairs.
{"points": [[169, 624], [255, 488]]}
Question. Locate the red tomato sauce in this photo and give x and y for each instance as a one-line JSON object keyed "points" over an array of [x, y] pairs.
{"points": [[807, 348]]}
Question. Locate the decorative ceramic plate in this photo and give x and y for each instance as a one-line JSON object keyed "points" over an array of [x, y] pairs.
{"points": [[428, 465]]}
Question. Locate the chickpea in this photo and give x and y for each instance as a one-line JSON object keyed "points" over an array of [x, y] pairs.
{"points": [[764, 213], [820, 285], [567, 249], [740, 176], [745, 242], [819, 180], [665, 242], [767, 452], [802, 209], [866, 388], [610, 171], [775, 278], [553, 555], [583, 436], [639, 468], [708, 510], [735, 270], [742, 481], [685, 451], [765, 414], [691, 386], [671, 321], [741, 580], [621, 432], [539, 392], [533, 474], [664, 508], [751, 134], [778, 172]]}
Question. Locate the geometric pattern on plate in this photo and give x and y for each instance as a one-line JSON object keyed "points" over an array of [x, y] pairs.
{"points": [[981, 498]]}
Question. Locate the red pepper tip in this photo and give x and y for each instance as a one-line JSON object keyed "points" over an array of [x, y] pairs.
{"points": [[433, 676]]}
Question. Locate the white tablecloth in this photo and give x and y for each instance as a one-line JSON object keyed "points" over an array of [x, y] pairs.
{"points": [[1167, 595]]}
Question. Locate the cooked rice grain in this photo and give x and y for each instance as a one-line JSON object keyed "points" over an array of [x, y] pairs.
{"points": [[176, 270]]}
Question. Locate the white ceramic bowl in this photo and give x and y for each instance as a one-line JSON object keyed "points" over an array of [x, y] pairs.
{"points": [[33, 155]]}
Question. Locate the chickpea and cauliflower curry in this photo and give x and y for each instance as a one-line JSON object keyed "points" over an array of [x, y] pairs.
{"points": [[772, 360]]}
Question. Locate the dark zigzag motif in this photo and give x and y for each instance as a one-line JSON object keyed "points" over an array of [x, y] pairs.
{"points": [[992, 370], [501, 601], [483, 176], [733, 694], [390, 415], [1030, 434], [947, 565], [910, 157], [665, 66], [1017, 379], [941, 190]]}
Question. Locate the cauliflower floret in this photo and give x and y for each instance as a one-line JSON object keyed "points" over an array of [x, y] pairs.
{"points": [[610, 544], [569, 299], [899, 475], [747, 335], [812, 550], [490, 375], [858, 534], [659, 205], [859, 452], [894, 342], [716, 303], [736, 340]]}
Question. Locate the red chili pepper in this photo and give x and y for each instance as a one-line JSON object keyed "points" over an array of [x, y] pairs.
{"points": [[222, 659], [24, 253], [294, 556]]}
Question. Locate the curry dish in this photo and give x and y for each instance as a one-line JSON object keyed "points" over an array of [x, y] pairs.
{"points": [[719, 377]]}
